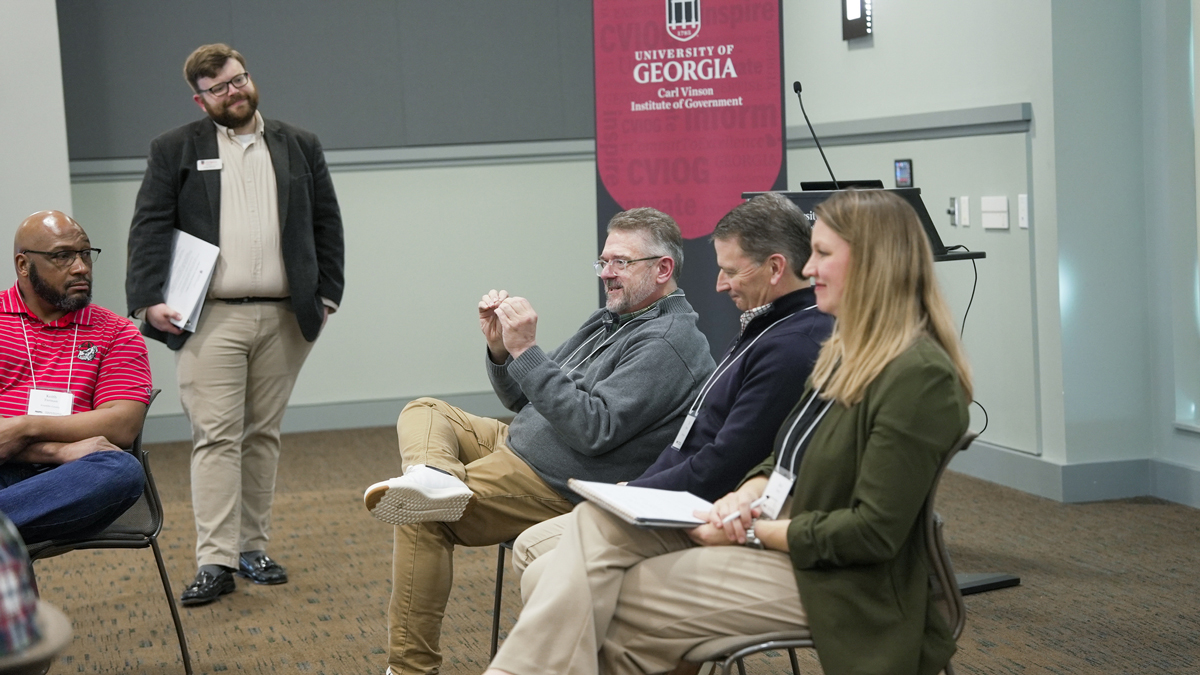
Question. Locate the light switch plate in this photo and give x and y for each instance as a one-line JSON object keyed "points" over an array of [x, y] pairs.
{"points": [[1023, 211], [994, 212]]}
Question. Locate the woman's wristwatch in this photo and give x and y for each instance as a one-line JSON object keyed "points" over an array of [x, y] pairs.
{"points": [[752, 539]]}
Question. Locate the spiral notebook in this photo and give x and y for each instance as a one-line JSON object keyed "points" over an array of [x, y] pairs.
{"points": [[644, 507]]}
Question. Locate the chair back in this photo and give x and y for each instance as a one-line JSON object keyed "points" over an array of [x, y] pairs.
{"points": [[133, 529], [153, 501], [942, 581]]}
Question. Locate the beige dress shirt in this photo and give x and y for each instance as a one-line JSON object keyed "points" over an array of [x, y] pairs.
{"points": [[251, 258]]}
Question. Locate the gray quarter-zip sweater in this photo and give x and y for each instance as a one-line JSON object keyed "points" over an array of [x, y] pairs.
{"points": [[604, 403]]}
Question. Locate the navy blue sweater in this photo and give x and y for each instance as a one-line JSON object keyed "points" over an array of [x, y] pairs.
{"points": [[736, 425]]}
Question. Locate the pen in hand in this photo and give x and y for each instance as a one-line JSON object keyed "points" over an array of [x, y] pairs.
{"points": [[753, 505]]}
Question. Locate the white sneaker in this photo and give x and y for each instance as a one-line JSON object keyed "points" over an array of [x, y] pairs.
{"points": [[422, 494]]}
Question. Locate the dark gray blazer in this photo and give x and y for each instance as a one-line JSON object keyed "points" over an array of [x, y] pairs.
{"points": [[174, 195]]}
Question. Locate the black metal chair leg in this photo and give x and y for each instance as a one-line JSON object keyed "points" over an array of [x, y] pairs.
{"points": [[496, 605], [162, 573]]}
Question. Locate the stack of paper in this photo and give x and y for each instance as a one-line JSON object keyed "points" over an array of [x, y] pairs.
{"points": [[192, 263]]}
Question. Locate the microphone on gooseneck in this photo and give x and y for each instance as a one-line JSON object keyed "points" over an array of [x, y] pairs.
{"points": [[796, 88]]}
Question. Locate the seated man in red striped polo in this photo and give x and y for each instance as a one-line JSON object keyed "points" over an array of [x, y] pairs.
{"points": [[74, 387]]}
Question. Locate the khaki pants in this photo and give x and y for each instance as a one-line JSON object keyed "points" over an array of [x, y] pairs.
{"points": [[537, 541], [236, 374], [532, 545], [509, 497], [613, 598]]}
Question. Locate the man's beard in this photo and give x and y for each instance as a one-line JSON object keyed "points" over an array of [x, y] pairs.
{"points": [[55, 297], [635, 290], [230, 120]]}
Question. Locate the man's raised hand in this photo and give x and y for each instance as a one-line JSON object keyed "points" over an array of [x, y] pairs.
{"points": [[490, 325], [518, 322]]}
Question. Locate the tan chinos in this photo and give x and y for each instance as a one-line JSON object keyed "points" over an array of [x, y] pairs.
{"points": [[613, 598], [236, 374], [508, 497]]}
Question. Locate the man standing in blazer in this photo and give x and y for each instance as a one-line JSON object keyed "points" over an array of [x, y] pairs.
{"points": [[260, 190]]}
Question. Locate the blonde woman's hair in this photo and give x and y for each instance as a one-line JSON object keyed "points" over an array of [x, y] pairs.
{"points": [[890, 296]]}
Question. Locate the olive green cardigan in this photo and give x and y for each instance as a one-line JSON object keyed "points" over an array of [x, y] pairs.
{"points": [[855, 538]]}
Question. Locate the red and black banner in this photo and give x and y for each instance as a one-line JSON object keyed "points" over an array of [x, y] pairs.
{"points": [[689, 115]]}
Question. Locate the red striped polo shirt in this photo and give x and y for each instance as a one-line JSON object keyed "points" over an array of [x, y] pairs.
{"points": [[102, 353]]}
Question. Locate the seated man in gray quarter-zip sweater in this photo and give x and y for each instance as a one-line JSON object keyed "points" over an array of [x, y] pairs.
{"points": [[599, 407]]}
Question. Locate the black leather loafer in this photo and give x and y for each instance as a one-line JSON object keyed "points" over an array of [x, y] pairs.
{"points": [[261, 570], [207, 587]]}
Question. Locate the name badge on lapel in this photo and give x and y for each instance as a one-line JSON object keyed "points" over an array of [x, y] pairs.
{"points": [[208, 165]]}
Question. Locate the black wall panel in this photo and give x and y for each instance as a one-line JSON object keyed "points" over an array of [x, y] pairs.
{"points": [[360, 73]]}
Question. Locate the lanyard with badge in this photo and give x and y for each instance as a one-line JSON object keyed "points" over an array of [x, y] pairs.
{"points": [[783, 477], [49, 401], [722, 368]]}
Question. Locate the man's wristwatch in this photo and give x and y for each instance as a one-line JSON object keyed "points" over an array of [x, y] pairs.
{"points": [[752, 539]]}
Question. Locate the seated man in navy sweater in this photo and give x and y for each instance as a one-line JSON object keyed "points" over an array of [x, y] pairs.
{"points": [[761, 247]]}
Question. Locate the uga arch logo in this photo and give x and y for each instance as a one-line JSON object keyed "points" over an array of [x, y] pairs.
{"points": [[683, 19]]}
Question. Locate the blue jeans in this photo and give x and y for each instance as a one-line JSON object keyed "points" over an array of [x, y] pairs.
{"points": [[72, 500]]}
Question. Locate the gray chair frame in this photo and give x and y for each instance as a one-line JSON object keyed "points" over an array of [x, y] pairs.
{"points": [[727, 651], [136, 528]]}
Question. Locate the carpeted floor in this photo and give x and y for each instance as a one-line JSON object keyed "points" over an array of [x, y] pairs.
{"points": [[1106, 588]]}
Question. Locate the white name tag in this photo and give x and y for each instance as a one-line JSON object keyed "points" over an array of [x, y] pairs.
{"points": [[208, 165], [779, 487], [683, 430], [50, 403]]}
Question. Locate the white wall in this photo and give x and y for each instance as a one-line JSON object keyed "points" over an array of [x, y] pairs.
{"points": [[924, 57], [422, 247], [1101, 231], [938, 56], [1168, 31], [33, 173], [999, 332]]}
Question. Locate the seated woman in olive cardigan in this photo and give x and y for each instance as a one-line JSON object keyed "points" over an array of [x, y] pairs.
{"points": [[887, 401]]}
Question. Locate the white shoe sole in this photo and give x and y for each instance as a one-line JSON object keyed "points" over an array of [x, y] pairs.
{"points": [[405, 504]]}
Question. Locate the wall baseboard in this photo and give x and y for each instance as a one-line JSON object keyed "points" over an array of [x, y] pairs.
{"points": [[331, 416], [1175, 482], [1087, 482]]}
